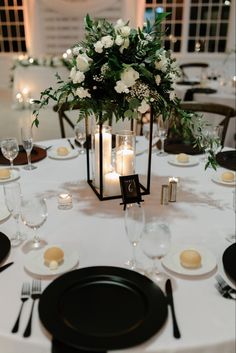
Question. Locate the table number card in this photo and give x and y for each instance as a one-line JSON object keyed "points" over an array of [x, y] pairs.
{"points": [[130, 189]]}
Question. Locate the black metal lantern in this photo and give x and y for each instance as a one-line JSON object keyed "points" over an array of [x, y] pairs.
{"points": [[98, 183]]}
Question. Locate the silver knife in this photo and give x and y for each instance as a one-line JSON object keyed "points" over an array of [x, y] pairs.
{"points": [[2, 268], [170, 301], [71, 145]]}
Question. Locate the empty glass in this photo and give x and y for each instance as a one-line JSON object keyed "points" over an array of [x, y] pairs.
{"points": [[10, 149], [80, 135], [155, 244], [34, 214], [134, 224], [162, 130], [27, 142], [12, 194]]}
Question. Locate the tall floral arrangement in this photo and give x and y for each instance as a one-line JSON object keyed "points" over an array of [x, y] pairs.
{"points": [[121, 71]]}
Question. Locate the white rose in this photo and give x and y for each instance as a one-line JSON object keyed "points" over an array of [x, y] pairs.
{"points": [[129, 76], [83, 93], [144, 107], [107, 41], [158, 79], [119, 40], [72, 73], [121, 87], [172, 95], [79, 77], [98, 46], [125, 31], [82, 63]]}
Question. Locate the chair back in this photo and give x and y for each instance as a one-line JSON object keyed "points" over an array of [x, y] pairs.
{"points": [[225, 111], [194, 65]]}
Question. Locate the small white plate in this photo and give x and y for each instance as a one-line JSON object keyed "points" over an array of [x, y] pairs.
{"points": [[172, 261], [72, 154], [14, 176], [34, 262], [191, 162], [4, 213], [217, 179]]}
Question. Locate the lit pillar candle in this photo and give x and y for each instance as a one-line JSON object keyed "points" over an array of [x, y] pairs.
{"points": [[106, 158], [112, 184], [125, 161], [173, 182], [64, 201]]}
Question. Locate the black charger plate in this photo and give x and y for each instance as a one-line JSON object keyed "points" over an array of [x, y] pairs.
{"points": [[5, 246], [102, 308], [227, 159], [228, 259]]}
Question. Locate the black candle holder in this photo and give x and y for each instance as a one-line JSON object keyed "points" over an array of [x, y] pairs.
{"points": [[99, 191]]}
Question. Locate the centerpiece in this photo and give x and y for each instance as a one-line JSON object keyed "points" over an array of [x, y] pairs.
{"points": [[119, 72]]}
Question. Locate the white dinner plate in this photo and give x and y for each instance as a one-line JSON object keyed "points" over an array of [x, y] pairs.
{"points": [[193, 160], [172, 261], [72, 154], [34, 261], [217, 179], [14, 176]]}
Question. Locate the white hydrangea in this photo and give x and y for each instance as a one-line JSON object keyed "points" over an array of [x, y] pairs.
{"points": [[173, 76], [158, 79], [119, 23], [107, 41], [144, 107], [121, 87], [76, 50], [83, 62], [129, 76], [161, 64], [83, 93], [98, 47]]}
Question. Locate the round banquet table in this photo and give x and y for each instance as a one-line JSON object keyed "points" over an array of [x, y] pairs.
{"points": [[202, 216]]}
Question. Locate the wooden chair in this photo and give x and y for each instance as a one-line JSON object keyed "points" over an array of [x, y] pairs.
{"points": [[191, 65], [63, 117], [219, 109]]}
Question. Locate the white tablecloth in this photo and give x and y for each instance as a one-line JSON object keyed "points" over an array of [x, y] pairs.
{"points": [[203, 215]]}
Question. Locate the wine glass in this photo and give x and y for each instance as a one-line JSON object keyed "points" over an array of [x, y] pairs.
{"points": [[134, 224], [162, 130], [12, 194], [211, 139], [34, 214], [80, 135], [155, 244], [27, 141], [10, 149]]}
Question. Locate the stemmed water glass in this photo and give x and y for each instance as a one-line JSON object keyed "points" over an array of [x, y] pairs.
{"points": [[211, 139], [12, 194], [162, 130], [34, 214], [80, 135], [155, 244], [134, 224], [27, 141], [10, 149]]}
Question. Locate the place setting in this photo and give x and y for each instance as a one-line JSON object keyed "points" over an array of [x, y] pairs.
{"points": [[62, 153], [225, 178]]}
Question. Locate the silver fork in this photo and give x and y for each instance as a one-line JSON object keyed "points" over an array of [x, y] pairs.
{"points": [[25, 294], [35, 294], [224, 285], [224, 292]]}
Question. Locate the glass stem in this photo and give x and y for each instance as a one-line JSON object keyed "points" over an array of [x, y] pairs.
{"points": [[36, 239], [29, 157], [162, 145], [134, 254], [17, 217], [11, 163], [155, 265]]}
